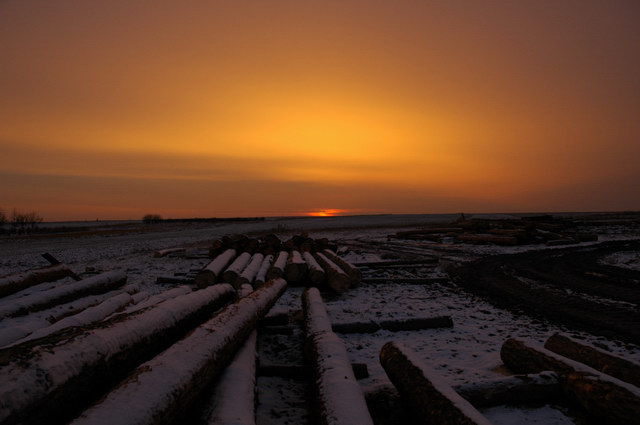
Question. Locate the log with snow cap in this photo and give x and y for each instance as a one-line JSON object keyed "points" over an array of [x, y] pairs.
{"points": [[432, 398], [52, 381], [210, 273], [42, 300], [19, 281], [277, 269], [233, 271], [336, 278], [602, 395], [164, 389], [339, 396], [261, 277], [249, 273], [352, 271], [316, 273], [296, 268]]}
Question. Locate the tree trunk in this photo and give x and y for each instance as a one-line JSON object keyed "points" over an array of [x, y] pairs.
{"points": [[433, 399], [296, 269], [210, 273], [230, 275], [339, 396], [316, 274], [165, 252], [261, 277], [19, 281], [352, 271], [250, 272], [337, 279], [277, 270]]}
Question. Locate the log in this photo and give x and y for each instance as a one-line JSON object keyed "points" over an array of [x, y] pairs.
{"points": [[316, 273], [514, 390], [42, 300], [498, 240], [600, 360], [185, 369], [52, 381], [172, 280], [277, 269], [19, 281], [336, 278], [339, 396], [250, 272], [261, 277], [352, 271], [602, 396], [235, 268], [296, 269], [158, 298], [164, 252], [435, 402], [410, 324], [210, 273]]}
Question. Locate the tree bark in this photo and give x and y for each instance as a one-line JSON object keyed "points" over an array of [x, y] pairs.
{"points": [[23, 280], [277, 269], [337, 279], [296, 269], [210, 273], [249, 273], [316, 273], [352, 271], [230, 275], [261, 277]]}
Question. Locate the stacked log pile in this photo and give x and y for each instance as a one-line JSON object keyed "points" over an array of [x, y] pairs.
{"points": [[506, 231]]}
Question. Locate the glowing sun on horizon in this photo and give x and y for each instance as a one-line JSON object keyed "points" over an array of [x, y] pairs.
{"points": [[326, 213]]}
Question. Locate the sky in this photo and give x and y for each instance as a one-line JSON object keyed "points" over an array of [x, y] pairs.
{"points": [[113, 109]]}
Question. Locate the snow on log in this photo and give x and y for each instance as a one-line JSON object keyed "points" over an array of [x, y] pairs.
{"points": [[518, 389], [600, 360], [409, 324], [277, 269], [52, 381], [210, 273], [316, 273], [337, 279], [39, 301], [296, 269], [250, 272], [233, 271], [434, 399], [603, 396], [158, 298], [165, 252], [86, 317], [261, 277], [164, 389], [19, 281], [352, 271], [339, 396]]}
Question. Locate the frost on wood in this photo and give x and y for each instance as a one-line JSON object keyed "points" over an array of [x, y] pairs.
{"points": [[339, 395], [164, 252], [165, 388], [233, 271], [277, 269], [149, 301], [19, 281], [296, 268], [250, 272], [603, 396], [51, 381], [435, 401], [210, 273], [316, 273], [42, 300], [264, 268], [337, 279], [351, 270]]}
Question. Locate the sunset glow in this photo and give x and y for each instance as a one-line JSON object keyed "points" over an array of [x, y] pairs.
{"points": [[327, 213], [115, 110]]}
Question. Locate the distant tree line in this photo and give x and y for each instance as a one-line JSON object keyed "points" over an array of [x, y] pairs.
{"points": [[152, 219], [19, 222]]}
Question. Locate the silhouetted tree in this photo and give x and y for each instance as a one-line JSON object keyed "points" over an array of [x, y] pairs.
{"points": [[152, 219]]}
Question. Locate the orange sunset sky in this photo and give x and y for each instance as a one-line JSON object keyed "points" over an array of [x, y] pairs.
{"points": [[114, 109]]}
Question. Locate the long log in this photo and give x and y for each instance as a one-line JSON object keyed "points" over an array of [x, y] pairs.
{"points": [[158, 298], [261, 277], [233, 271], [40, 301], [600, 360], [210, 273], [277, 269], [352, 271], [249, 273], [433, 399], [296, 269], [19, 281], [316, 273], [185, 369], [52, 381], [336, 278], [339, 396], [603, 396], [164, 252], [518, 389]]}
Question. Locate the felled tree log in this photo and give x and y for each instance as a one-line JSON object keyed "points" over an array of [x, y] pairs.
{"points": [[42, 300], [164, 252], [52, 381], [498, 240], [339, 396], [352, 271], [409, 324], [296, 269], [249, 273], [600, 360], [210, 273], [432, 398], [158, 298], [603, 396], [336, 278], [316, 273], [185, 369], [19, 281], [261, 277], [277, 269], [233, 271], [518, 389]]}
